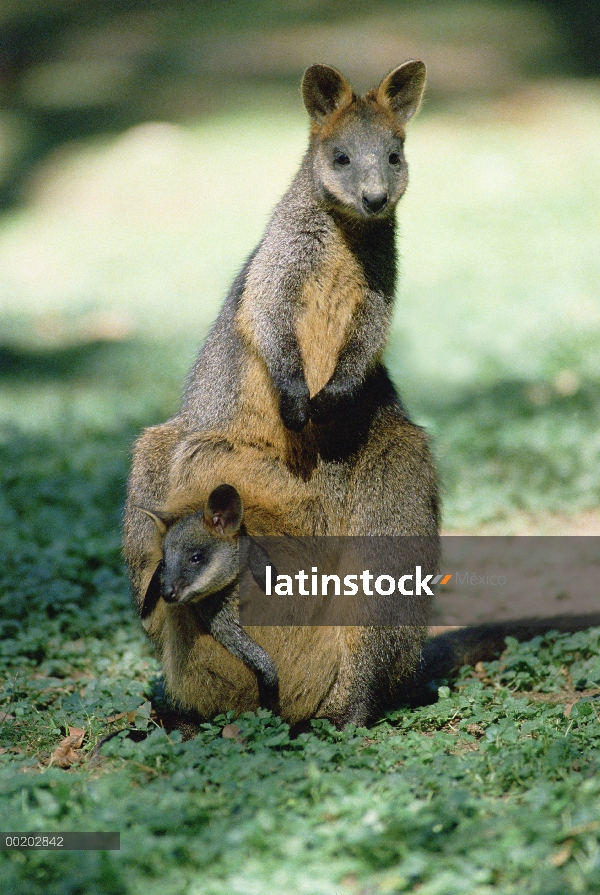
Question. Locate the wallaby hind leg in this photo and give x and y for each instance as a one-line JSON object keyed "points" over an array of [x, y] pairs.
{"points": [[376, 659], [348, 699], [393, 487], [392, 491]]}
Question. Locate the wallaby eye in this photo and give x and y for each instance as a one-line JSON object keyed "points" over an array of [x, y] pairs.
{"points": [[342, 159], [197, 557], [394, 158]]}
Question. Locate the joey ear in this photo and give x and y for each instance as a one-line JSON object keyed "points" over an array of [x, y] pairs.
{"points": [[163, 521], [257, 560], [402, 90], [324, 90], [224, 510], [152, 595]]}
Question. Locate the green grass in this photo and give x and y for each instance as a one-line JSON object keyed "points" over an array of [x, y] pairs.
{"points": [[492, 789]]}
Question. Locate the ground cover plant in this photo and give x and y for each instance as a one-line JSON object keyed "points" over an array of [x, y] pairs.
{"points": [[495, 787]]}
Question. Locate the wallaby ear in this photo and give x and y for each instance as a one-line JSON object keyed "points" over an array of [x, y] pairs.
{"points": [[257, 559], [402, 90], [224, 510], [324, 90], [152, 595], [163, 521]]}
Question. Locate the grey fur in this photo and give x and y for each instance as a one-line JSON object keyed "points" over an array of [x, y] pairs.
{"points": [[201, 569]]}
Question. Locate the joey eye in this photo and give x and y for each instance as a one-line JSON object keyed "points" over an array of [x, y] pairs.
{"points": [[394, 158], [341, 159]]}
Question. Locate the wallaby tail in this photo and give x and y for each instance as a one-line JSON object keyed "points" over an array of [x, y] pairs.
{"points": [[445, 653]]}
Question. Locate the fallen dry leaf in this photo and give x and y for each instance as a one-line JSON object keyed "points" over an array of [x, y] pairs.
{"points": [[232, 732], [561, 857], [590, 827], [118, 717], [65, 753]]}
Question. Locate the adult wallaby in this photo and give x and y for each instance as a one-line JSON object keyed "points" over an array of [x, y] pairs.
{"points": [[198, 577], [289, 401]]}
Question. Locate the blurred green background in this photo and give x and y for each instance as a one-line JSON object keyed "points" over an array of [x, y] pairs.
{"points": [[142, 147]]}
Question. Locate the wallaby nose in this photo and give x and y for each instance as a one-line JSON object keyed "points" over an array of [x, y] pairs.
{"points": [[169, 594], [374, 202]]}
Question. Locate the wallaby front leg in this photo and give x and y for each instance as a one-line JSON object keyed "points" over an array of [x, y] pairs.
{"points": [[287, 374], [221, 619], [362, 348], [266, 322], [272, 298]]}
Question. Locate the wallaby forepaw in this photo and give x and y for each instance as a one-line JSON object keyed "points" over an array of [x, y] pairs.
{"points": [[294, 407], [329, 402]]}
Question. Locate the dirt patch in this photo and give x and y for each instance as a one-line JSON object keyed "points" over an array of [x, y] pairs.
{"points": [[556, 581], [581, 525]]}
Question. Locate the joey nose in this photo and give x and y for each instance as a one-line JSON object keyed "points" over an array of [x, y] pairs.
{"points": [[374, 202]]}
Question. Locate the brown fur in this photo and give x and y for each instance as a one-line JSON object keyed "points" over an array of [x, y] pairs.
{"points": [[330, 301]]}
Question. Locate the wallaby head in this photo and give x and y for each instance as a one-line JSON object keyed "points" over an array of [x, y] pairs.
{"points": [[200, 551], [357, 142]]}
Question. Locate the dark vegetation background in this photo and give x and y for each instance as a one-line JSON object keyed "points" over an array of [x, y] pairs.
{"points": [[142, 146]]}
